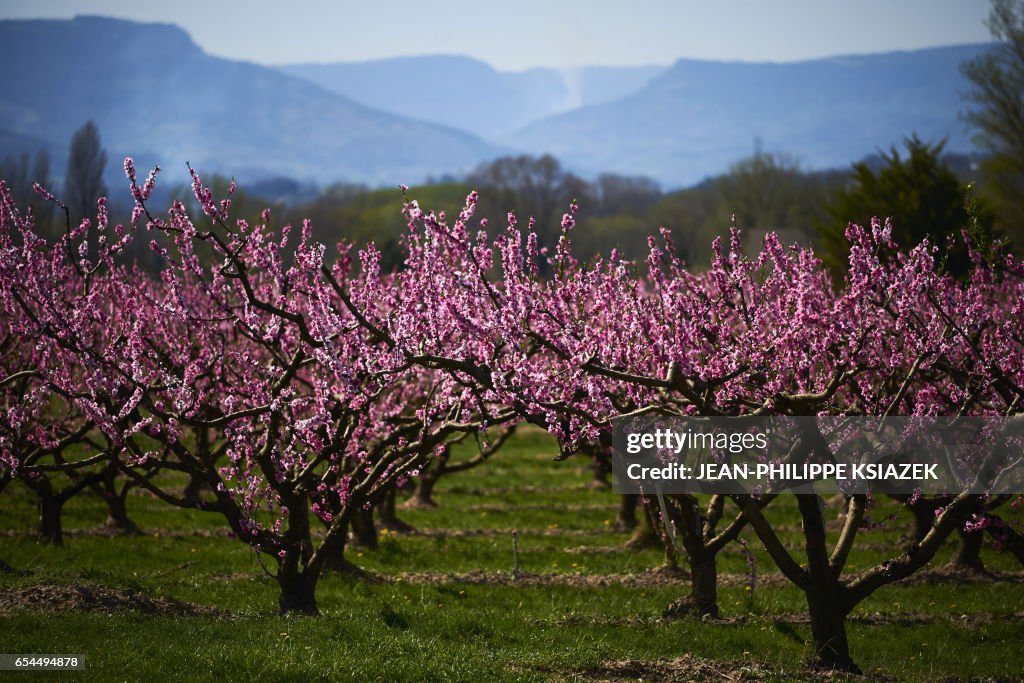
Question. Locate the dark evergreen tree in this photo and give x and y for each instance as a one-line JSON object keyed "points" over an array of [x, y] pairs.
{"points": [[920, 194]]}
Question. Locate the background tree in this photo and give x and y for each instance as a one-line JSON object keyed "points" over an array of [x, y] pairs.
{"points": [[618, 194], [998, 114], [83, 182], [761, 191], [20, 172], [922, 196], [530, 186]]}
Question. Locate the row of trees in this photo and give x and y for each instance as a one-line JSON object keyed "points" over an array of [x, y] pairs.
{"points": [[296, 390], [83, 177], [766, 192]]}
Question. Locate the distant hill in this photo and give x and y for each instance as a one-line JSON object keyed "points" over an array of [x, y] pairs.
{"points": [[698, 117], [469, 94], [154, 94]]}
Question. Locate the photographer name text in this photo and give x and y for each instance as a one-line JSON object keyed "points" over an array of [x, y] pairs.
{"points": [[785, 472]]}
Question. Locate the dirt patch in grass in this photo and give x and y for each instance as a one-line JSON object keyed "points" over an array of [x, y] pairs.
{"points": [[519, 507], [672, 613], [507, 531], [948, 574], [690, 668], [98, 599], [661, 576], [651, 578], [513, 490], [599, 550], [104, 531]]}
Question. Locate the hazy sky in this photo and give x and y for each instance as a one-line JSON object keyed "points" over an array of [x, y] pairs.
{"points": [[523, 33]]}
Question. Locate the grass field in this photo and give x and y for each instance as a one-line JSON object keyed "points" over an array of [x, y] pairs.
{"points": [[446, 607]]}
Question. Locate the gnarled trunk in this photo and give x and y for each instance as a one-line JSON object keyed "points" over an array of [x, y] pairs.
{"points": [[194, 488], [117, 509], [689, 527], [298, 590], [51, 507], [968, 554], [364, 533], [423, 497], [388, 519], [117, 516], [644, 535], [704, 586], [600, 467], [825, 599], [828, 629], [626, 519]]}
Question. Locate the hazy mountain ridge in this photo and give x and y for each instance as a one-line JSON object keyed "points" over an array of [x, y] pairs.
{"points": [[697, 117], [469, 94], [154, 93]]}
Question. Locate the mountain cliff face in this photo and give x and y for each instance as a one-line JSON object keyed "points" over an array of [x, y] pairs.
{"points": [[697, 117], [154, 94], [470, 95]]}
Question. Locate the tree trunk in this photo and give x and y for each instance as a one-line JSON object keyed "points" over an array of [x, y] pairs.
{"points": [[194, 488], [388, 519], [296, 577], [50, 527], [644, 536], [196, 483], [364, 533], [924, 516], [423, 497], [117, 515], [626, 519], [968, 554], [601, 471], [704, 586], [824, 593], [828, 628], [117, 510], [689, 525], [336, 561], [298, 591]]}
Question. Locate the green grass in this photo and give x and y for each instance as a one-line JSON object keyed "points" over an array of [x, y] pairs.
{"points": [[450, 630]]}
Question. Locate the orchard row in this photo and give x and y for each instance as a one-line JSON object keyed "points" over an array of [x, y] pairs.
{"points": [[293, 387]]}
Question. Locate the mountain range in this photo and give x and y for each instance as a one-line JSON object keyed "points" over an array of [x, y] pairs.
{"points": [[154, 94], [465, 93], [697, 117]]}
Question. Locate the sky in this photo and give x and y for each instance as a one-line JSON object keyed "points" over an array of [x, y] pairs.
{"points": [[555, 33]]}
